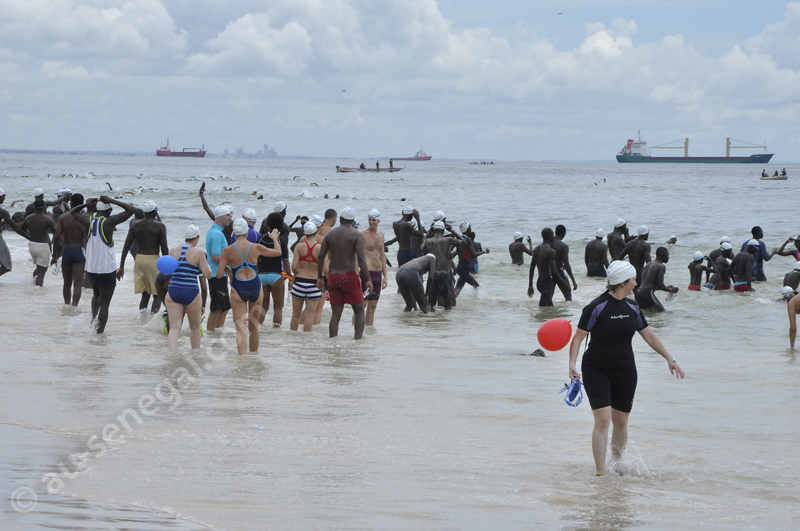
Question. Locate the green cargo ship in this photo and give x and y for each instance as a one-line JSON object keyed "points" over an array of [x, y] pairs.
{"points": [[637, 151]]}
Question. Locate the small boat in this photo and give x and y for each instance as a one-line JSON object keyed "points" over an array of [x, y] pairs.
{"points": [[774, 177], [342, 169]]}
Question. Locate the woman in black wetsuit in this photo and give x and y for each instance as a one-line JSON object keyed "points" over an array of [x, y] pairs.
{"points": [[608, 365]]}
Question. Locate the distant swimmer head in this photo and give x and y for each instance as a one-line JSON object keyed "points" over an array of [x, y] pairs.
{"points": [[191, 232], [643, 230], [309, 228], [408, 209], [753, 243], [619, 223], [374, 214], [38, 192], [250, 215], [439, 215], [240, 227], [619, 271], [99, 206], [724, 239], [698, 256], [348, 214], [149, 206], [517, 235], [317, 220], [725, 246], [464, 226], [600, 233], [221, 210], [280, 206], [438, 225]]}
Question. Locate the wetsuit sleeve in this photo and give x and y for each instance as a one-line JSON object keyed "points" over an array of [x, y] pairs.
{"points": [[641, 322], [591, 313]]}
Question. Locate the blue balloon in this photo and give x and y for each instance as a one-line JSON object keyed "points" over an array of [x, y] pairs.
{"points": [[167, 264]]}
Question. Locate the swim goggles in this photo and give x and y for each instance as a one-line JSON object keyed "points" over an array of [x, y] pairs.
{"points": [[574, 391]]}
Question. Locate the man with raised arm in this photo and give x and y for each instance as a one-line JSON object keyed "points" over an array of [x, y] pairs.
{"points": [[345, 245], [150, 235], [403, 231], [518, 248], [227, 231], [440, 284], [101, 262]]}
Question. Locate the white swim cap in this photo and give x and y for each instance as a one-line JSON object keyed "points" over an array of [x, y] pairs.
{"points": [[439, 215], [619, 223], [38, 192], [517, 235], [408, 210], [317, 220], [348, 213], [221, 210], [724, 239], [280, 206], [619, 271], [438, 225], [356, 223], [698, 255], [374, 214], [149, 206], [191, 232], [643, 230], [786, 291], [725, 246], [431, 255], [753, 243], [464, 226], [102, 206], [2, 192], [309, 228], [600, 233], [250, 214], [414, 224], [240, 227], [797, 265], [64, 191]]}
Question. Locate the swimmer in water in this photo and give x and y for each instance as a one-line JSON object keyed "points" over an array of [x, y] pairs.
{"points": [[696, 269], [404, 231], [596, 255], [518, 248], [227, 231], [376, 261], [793, 307], [792, 278], [618, 238], [743, 267], [183, 295], [562, 263], [409, 281], [305, 292], [73, 260], [544, 258], [652, 280], [39, 226], [439, 245], [5, 254], [150, 236]]}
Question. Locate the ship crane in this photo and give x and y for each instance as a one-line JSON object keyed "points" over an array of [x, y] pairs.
{"points": [[684, 147], [728, 146]]}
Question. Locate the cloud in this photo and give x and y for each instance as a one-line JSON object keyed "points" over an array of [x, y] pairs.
{"points": [[780, 41], [60, 70]]}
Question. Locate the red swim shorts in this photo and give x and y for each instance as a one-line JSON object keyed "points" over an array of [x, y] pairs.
{"points": [[345, 288], [693, 287], [741, 287], [724, 286]]}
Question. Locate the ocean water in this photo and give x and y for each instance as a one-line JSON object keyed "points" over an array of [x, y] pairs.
{"points": [[430, 422]]}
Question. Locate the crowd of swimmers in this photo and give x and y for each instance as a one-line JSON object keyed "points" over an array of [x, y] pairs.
{"points": [[246, 269]]}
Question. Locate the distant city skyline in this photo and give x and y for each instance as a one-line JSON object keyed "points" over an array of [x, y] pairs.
{"points": [[551, 80]]}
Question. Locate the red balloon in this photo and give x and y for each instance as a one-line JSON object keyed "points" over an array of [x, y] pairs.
{"points": [[554, 334]]}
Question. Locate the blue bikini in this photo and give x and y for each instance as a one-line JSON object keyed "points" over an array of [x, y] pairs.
{"points": [[248, 290]]}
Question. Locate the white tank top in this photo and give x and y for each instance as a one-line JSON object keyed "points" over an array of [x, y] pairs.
{"points": [[100, 257]]}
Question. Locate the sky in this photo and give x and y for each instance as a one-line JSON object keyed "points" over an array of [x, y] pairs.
{"points": [[466, 79]]}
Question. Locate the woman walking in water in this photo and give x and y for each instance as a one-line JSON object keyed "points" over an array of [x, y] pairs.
{"points": [[608, 365]]}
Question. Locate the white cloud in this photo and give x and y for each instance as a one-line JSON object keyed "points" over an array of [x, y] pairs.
{"points": [[781, 41]]}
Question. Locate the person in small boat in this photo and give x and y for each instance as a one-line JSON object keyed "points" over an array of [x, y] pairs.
{"points": [[391, 164], [764, 173], [775, 174], [362, 167], [783, 173]]}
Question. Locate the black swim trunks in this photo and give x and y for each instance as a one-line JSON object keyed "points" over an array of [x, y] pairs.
{"points": [[646, 299], [408, 278], [405, 255], [218, 291], [102, 280], [546, 287], [595, 270]]}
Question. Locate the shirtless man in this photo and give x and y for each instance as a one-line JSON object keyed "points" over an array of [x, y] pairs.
{"points": [[793, 307], [467, 257], [298, 231], [279, 208], [376, 261], [544, 258], [227, 231], [743, 267], [596, 256], [403, 231], [696, 269], [618, 238], [73, 238], [410, 283], [39, 225], [151, 237], [518, 248], [345, 244], [101, 262], [792, 278], [440, 284], [562, 263], [638, 251], [713, 255], [5, 254], [38, 195], [652, 280], [722, 278]]}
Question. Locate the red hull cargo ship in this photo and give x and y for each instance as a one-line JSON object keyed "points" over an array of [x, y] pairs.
{"points": [[164, 151], [421, 155]]}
